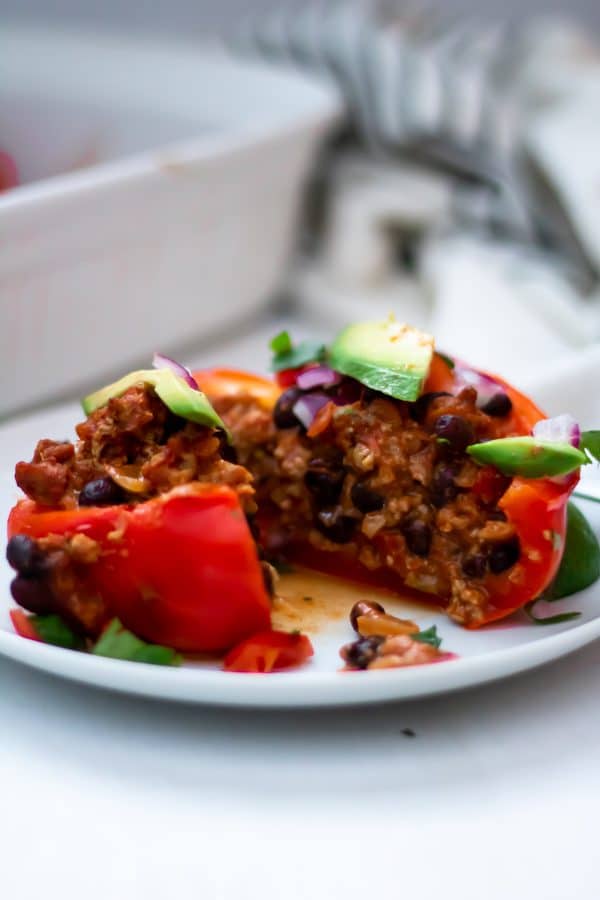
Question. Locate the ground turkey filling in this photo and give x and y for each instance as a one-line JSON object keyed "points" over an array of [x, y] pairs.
{"points": [[128, 451], [385, 484]]}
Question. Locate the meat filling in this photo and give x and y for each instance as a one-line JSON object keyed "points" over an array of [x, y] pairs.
{"points": [[384, 484], [130, 450]]}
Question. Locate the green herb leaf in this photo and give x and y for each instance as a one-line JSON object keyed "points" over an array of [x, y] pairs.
{"points": [[281, 343], [52, 630], [295, 356], [118, 643], [429, 636], [590, 444], [447, 359], [580, 564], [549, 620]]}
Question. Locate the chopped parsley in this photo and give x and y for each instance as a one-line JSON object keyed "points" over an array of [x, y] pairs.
{"points": [[590, 444], [548, 620], [429, 636], [52, 630], [447, 359], [287, 355], [118, 643]]}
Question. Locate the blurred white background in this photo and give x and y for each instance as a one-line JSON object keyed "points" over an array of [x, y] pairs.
{"points": [[184, 16]]}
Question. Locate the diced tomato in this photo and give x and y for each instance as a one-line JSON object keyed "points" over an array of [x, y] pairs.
{"points": [[269, 651], [23, 625], [287, 377]]}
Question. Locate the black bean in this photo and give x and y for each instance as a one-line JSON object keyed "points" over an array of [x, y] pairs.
{"points": [[456, 431], [226, 449], [253, 526], [24, 555], [268, 579], [101, 492], [336, 528], [364, 608], [33, 594], [418, 409], [475, 566], [417, 535], [173, 425], [348, 391], [324, 484], [443, 488], [505, 555], [282, 414], [365, 498], [499, 404], [362, 652]]}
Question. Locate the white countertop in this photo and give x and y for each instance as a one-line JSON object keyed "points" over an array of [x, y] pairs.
{"points": [[102, 796]]}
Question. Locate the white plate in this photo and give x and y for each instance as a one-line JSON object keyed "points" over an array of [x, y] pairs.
{"points": [[486, 655]]}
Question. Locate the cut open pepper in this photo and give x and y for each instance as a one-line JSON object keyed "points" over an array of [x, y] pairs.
{"points": [[537, 508], [180, 569]]}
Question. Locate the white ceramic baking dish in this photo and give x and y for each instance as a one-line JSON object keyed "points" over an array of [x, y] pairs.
{"points": [[160, 189]]}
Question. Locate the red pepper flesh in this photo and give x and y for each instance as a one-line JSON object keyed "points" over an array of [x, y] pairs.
{"points": [[269, 651], [179, 570]]}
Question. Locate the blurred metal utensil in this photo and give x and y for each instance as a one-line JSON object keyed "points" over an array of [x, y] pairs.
{"points": [[433, 89]]}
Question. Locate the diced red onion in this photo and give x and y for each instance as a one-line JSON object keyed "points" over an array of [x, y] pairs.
{"points": [[318, 376], [562, 429], [159, 361], [486, 386], [306, 408]]}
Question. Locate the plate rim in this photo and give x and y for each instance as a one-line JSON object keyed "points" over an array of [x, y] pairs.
{"points": [[296, 689]]}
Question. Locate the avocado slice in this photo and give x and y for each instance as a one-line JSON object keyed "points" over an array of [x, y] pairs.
{"points": [[386, 356], [179, 397], [529, 457]]}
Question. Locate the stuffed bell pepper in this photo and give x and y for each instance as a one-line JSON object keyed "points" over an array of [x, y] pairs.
{"points": [[381, 460], [144, 520]]}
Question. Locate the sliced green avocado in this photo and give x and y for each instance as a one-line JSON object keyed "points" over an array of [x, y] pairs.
{"points": [[179, 397], [529, 457], [386, 356]]}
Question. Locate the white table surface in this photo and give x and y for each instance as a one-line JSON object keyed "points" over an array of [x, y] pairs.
{"points": [[496, 795]]}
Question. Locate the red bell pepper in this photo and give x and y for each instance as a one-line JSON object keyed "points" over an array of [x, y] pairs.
{"points": [[180, 569], [269, 651], [233, 382]]}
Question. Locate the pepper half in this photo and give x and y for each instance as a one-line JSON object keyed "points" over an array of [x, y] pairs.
{"points": [[537, 508], [180, 569]]}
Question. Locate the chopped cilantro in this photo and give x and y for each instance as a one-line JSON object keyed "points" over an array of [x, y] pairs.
{"points": [[118, 643], [590, 444], [429, 636], [548, 620], [286, 355], [281, 343], [52, 630], [447, 359]]}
